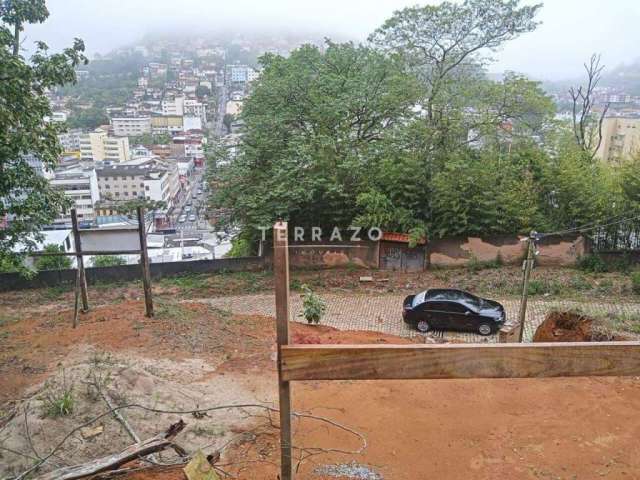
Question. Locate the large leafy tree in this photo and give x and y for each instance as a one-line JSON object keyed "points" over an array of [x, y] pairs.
{"points": [[446, 46], [315, 125], [26, 199]]}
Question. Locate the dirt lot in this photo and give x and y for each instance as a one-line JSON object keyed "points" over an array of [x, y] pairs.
{"points": [[192, 356]]}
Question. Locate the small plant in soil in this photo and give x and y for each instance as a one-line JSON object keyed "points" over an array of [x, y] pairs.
{"points": [[635, 283], [58, 399], [313, 307]]}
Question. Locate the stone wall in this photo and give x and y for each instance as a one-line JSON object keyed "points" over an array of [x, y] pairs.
{"points": [[458, 251], [361, 254]]}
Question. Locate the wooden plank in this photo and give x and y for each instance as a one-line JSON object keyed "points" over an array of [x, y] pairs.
{"points": [[144, 263], [281, 274], [385, 362], [78, 244]]}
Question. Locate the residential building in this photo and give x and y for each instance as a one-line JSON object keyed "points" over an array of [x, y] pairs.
{"points": [[38, 166], [97, 146], [131, 126], [620, 138], [173, 106], [167, 124], [194, 108], [70, 140], [80, 185], [152, 180]]}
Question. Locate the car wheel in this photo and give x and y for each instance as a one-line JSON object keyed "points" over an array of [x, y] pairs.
{"points": [[484, 329], [423, 326]]}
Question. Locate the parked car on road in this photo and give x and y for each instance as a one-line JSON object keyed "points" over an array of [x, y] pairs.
{"points": [[192, 218], [450, 309], [182, 218]]}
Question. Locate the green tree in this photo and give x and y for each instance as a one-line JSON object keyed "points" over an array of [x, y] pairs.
{"points": [[228, 120], [28, 201], [87, 119], [446, 46], [202, 91], [57, 262], [108, 261], [315, 124]]}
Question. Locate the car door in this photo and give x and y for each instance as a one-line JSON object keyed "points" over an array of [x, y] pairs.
{"points": [[437, 314], [461, 317]]}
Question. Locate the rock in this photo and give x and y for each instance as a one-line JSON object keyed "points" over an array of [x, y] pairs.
{"points": [[91, 432]]}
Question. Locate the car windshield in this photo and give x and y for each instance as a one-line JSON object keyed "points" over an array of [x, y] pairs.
{"points": [[418, 299]]}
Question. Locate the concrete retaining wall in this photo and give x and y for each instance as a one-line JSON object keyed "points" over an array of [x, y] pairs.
{"points": [[458, 251]]}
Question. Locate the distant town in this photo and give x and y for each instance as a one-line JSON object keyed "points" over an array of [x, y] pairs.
{"points": [[150, 147]]}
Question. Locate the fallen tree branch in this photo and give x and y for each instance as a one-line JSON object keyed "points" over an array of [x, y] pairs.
{"points": [[111, 411], [112, 462]]}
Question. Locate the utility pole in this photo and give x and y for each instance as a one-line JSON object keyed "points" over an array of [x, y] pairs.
{"points": [[528, 266]]}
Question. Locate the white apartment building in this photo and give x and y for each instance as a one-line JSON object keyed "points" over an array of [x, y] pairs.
{"points": [[173, 106], [97, 146], [131, 126], [152, 180], [194, 108], [70, 140], [179, 106], [81, 186]]}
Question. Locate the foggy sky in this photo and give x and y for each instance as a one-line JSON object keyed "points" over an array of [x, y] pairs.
{"points": [[571, 29]]}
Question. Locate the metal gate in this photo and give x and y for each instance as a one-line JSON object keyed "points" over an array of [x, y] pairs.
{"points": [[399, 257]]}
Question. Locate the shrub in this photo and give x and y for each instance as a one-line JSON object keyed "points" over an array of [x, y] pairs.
{"points": [[313, 307], [578, 282], [591, 263], [108, 261], [635, 282], [53, 262]]}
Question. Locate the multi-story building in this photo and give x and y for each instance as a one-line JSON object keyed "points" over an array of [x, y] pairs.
{"points": [[173, 106], [194, 108], [70, 140], [167, 124], [151, 180], [97, 146], [80, 185], [620, 138], [131, 126]]}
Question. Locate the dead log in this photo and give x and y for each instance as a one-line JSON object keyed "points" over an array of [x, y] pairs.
{"points": [[112, 462]]}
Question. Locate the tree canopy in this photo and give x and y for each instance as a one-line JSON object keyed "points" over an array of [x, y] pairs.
{"points": [[26, 199], [408, 133]]}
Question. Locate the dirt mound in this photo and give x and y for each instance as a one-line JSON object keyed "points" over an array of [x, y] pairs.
{"points": [[573, 327]]}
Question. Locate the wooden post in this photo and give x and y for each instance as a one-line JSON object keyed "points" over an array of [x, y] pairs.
{"points": [[281, 273], [525, 285], [79, 260], [144, 263]]}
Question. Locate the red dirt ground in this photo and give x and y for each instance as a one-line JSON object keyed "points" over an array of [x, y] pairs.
{"points": [[567, 429]]}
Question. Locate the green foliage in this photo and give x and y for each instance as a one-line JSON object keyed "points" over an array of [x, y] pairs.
{"points": [[57, 398], [53, 262], [150, 139], [130, 207], [591, 263], [108, 261], [240, 247], [313, 307], [28, 199], [474, 265], [635, 282], [87, 118], [596, 264]]}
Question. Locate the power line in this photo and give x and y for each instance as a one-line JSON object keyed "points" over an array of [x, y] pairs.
{"points": [[592, 226]]}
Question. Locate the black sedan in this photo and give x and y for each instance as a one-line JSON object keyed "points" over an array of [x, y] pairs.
{"points": [[449, 309]]}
